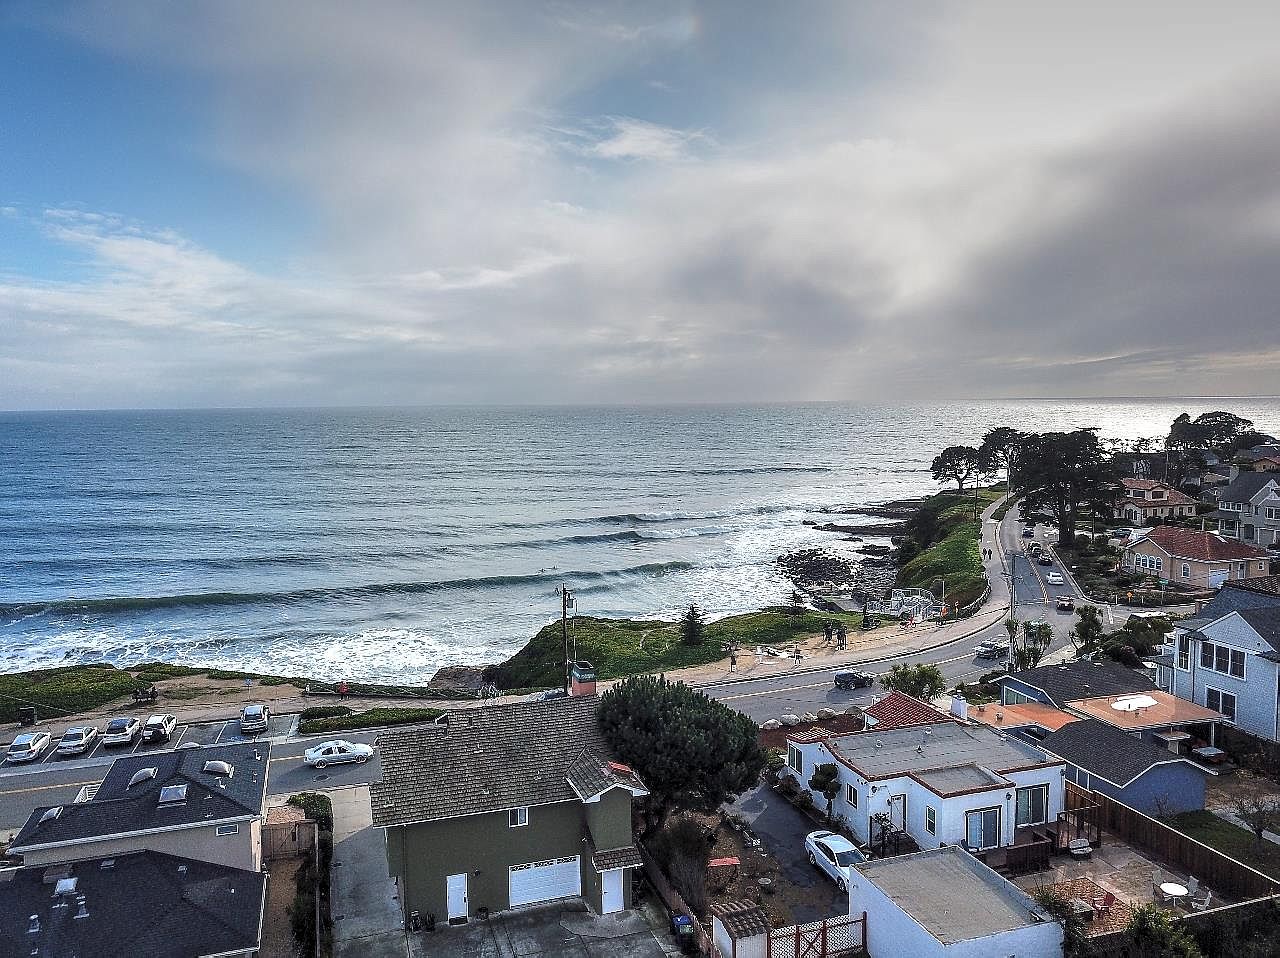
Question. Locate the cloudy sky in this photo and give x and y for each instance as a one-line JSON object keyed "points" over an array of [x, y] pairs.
{"points": [[256, 203]]}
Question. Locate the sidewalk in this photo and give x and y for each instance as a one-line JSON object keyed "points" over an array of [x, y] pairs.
{"points": [[884, 642]]}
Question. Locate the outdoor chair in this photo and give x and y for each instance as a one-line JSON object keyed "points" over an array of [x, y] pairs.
{"points": [[1204, 902], [1103, 904], [1193, 887]]}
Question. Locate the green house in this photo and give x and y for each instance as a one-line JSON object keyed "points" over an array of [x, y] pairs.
{"points": [[506, 805]]}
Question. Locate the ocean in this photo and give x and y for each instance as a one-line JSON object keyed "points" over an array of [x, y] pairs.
{"points": [[383, 544]]}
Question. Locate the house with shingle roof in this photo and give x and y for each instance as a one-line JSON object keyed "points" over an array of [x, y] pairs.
{"points": [[1193, 560], [201, 803], [1101, 757], [1227, 657], [1249, 509], [504, 805], [1065, 682], [142, 903]]}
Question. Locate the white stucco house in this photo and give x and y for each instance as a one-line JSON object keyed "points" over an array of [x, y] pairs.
{"points": [[941, 783], [943, 903]]}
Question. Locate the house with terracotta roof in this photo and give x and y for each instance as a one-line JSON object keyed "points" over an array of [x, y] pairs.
{"points": [[1143, 501], [1190, 559], [898, 710], [506, 805], [943, 782]]}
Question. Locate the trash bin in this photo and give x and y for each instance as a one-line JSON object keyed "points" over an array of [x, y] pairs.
{"points": [[26, 715]]}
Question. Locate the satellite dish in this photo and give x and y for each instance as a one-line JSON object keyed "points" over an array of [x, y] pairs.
{"points": [[1133, 703]]}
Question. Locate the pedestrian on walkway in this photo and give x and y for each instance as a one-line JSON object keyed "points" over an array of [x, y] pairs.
{"points": [[342, 689], [733, 661]]}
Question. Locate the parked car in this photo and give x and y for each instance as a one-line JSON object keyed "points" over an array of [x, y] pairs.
{"points": [[159, 728], [27, 747], [1054, 578], [1066, 603], [121, 731], [76, 741], [853, 679], [254, 719], [1029, 532], [1035, 548], [336, 752], [1044, 558], [993, 649], [834, 854]]}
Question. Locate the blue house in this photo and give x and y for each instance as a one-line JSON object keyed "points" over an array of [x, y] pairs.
{"points": [[1105, 759], [1057, 685]]}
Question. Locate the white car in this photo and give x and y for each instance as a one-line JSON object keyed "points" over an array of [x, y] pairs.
{"points": [[121, 731], [834, 854], [27, 747], [336, 752], [78, 740], [159, 728], [1053, 578]]}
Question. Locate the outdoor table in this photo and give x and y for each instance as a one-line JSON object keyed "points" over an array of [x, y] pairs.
{"points": [[1081, 908], [1171, 889]]}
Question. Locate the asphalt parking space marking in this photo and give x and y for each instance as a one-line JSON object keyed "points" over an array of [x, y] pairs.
{"points": [[204, 733]]}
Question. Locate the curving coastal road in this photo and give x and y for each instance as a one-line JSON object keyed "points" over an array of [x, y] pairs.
{"points": [[801, 690]]}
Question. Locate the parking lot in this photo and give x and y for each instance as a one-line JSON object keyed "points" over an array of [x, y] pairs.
{"points": [[199, 733]]}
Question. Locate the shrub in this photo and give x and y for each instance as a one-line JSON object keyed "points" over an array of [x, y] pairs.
{"points": [[374, 718]]}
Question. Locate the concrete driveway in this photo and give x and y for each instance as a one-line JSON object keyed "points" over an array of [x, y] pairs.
{"points": [[782, 829], [366, 911], [565, 929]]}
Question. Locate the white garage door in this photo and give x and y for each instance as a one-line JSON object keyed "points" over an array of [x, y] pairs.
{"points": [[545, 881]]}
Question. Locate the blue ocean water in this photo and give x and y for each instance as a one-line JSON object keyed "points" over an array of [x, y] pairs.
{"points": [[386, 543]]}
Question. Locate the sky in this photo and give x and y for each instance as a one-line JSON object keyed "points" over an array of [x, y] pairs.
{"points": [[247, 203]]}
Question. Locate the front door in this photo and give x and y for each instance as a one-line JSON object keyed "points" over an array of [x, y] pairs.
{"points": [[611, 891], [898, 811], [456, 893]]}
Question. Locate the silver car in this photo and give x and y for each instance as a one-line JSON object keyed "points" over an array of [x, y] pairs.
{"points": [[76, 741], [335, 752], [27, 747]]}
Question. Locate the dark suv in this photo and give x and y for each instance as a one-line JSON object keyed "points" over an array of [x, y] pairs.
{"points": [[852, 679]]}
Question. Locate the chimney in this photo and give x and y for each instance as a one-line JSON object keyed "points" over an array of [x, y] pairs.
{"points": [[583, 679], [959, 707]]}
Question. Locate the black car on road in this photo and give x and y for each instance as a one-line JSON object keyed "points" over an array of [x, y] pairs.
{"points": [[853, 679]]}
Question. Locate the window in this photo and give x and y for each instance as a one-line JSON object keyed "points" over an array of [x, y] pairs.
{"points": [[1220, 701], [1012, 697], [517, 817], [1033, 803], [1186, 571], [795, 758], [982, 828], [930, 820], [227, 830], [1222, 658], [1184, 652], [852, 797]]}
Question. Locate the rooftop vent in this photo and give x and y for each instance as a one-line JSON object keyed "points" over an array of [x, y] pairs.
{"points": [[81, 911], [140, 776], [173, 794], [34, 927], [218, 768], [50, 814], [107, 864], [65, 886]]}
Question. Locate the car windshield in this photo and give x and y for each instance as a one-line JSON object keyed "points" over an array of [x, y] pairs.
{"points": [[117, 725], [20, 743], [850, 857], [155, 720], [74, 734], [253, 711]]}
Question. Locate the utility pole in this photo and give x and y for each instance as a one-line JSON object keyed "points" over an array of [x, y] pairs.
{"points": [[566, 603]]}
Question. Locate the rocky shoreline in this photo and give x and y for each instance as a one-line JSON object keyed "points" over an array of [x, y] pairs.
{"points": [[825, 572]]}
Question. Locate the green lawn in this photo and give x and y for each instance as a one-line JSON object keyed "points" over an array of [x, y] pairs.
{"points": [[621, 647], [1229, 839], [949, 534]]}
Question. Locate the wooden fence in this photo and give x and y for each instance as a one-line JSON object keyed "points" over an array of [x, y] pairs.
{"points": [[671, 898], [844, 935], [287, 839], [1214, 869]]}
